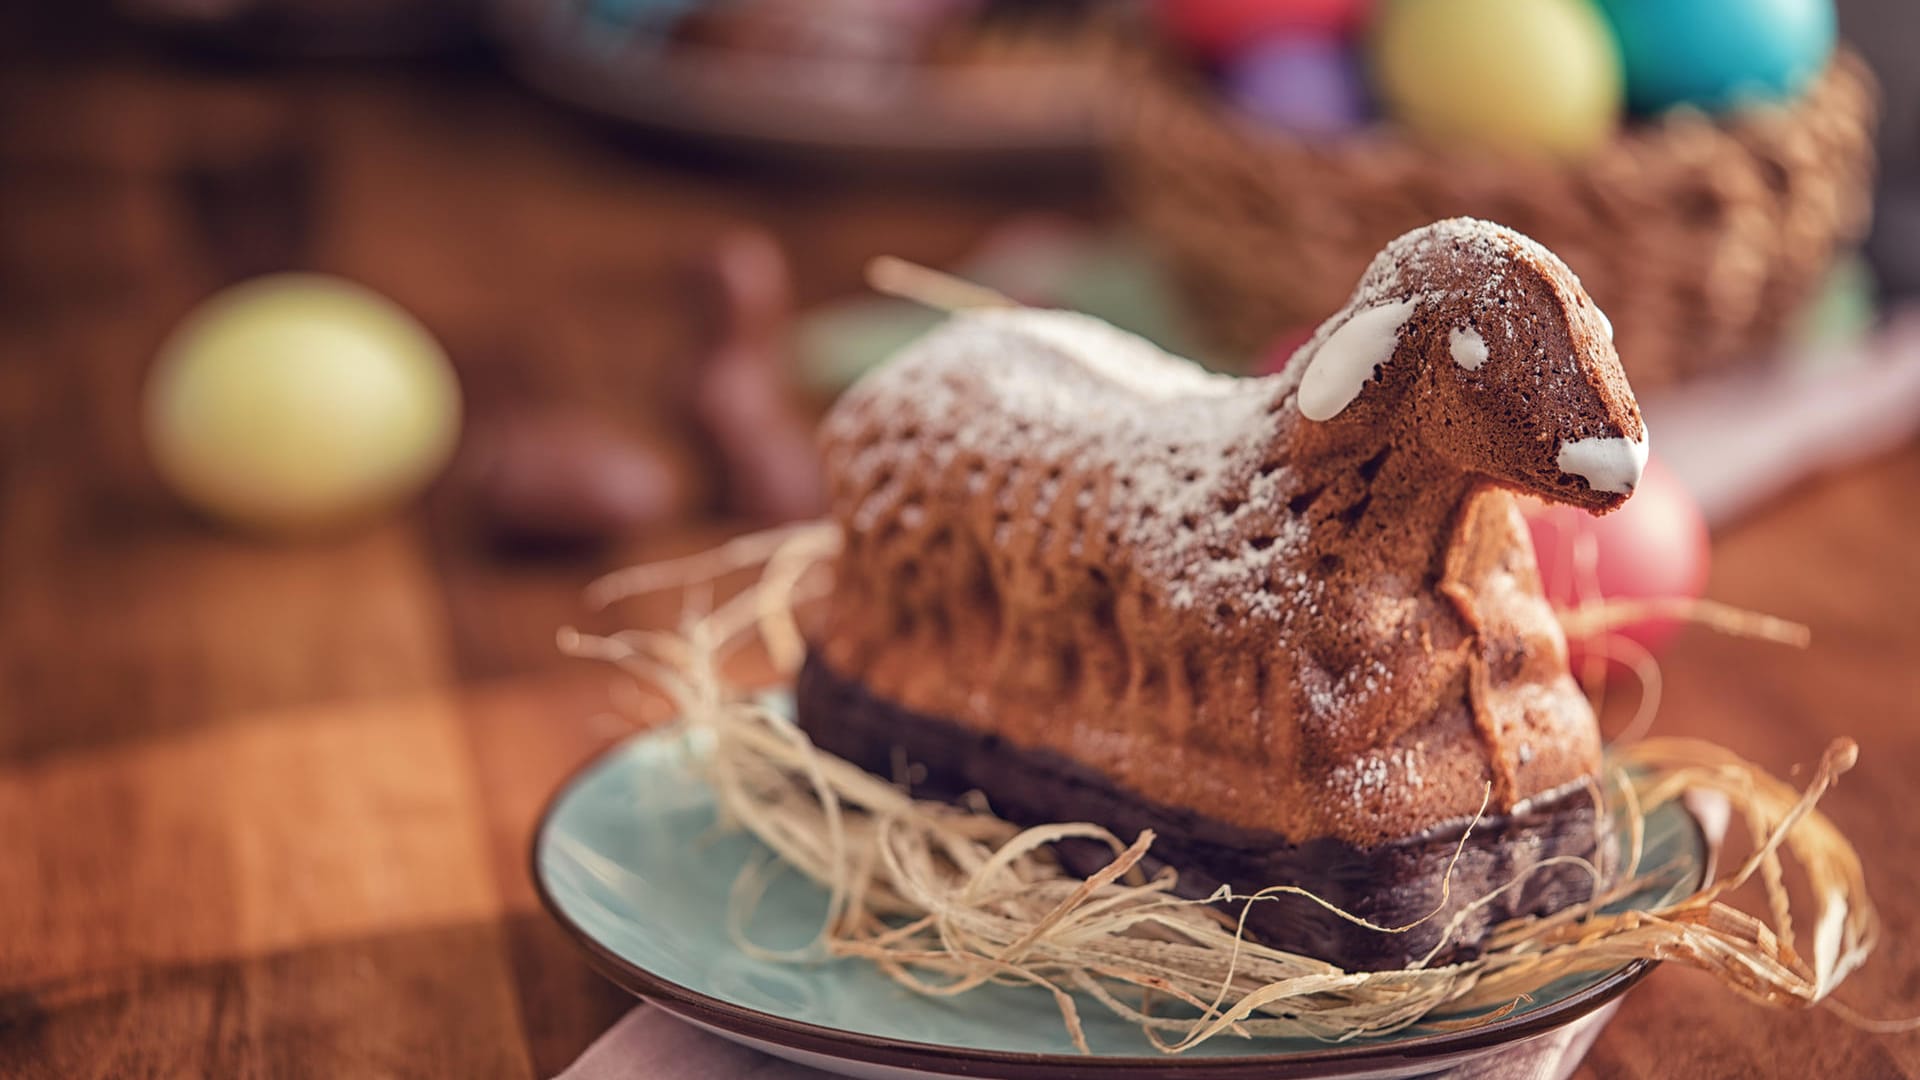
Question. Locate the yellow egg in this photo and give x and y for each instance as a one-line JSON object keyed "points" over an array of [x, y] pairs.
{"points": [[297, 402], [1539, 76]]}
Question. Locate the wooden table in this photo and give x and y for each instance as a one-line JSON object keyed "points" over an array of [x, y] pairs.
{"points": [[264, 810]]}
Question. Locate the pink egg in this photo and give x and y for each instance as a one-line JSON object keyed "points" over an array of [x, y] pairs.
{"points": [[1275, 359], [1216, 28], [1655, 546]]}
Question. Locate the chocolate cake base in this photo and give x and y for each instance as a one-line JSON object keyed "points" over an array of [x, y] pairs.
{"points": [[1389, 884]]}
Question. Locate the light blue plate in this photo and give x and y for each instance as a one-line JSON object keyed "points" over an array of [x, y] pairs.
{"points": [[629, 860]]}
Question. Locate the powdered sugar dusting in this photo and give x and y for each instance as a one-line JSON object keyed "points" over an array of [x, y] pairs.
{"points": [[1107, 351], [1164, 437], [1376, 773]]}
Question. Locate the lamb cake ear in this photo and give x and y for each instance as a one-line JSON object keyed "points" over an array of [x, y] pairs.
{"points": [[1358, 350]]}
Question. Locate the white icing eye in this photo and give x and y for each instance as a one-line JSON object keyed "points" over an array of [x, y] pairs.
{"points": [[1468, 347], [1605, 323], [1346, 359]]}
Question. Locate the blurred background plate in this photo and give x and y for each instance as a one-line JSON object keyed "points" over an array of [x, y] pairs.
{"points": [[1010, 85]]}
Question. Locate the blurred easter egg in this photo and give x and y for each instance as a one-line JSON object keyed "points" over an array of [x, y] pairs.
{"points": [[1539, 76], [1719, 53], [299, 401], [1280, 353], [1654, 546], [1217, 28], [1309, 85]]}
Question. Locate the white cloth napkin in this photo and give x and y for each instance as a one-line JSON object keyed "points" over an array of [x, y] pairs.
{"points": [[648, 1044], [1741, 438]]}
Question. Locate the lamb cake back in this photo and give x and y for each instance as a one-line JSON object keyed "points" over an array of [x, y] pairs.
{"points": [[1292, 624]]}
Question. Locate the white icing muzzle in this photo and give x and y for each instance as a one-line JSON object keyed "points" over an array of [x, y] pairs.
{"points": [[1606, 464]]}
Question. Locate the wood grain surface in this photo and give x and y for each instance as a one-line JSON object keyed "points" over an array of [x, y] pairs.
{"points": [[264, 809]]}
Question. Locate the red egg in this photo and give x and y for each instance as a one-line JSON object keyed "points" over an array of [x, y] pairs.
{"points": [[1654, 547], [1216, 28]]}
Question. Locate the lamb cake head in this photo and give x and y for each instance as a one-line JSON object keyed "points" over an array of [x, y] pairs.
{"points": [[1480, 345], [1292, 624]]}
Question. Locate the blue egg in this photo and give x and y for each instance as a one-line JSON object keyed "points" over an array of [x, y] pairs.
{"points": [[1307, 84], [1718, 54]]}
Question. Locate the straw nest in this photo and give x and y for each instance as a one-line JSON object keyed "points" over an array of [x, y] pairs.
{"points": [[944, 899]]}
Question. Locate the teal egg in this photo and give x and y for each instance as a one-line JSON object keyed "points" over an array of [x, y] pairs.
{"points": [[1717, 54]]}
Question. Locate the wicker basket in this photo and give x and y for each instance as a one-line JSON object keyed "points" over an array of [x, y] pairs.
{"points": [[1701, 240]]}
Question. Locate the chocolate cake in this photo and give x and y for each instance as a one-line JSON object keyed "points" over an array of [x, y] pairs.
{"points": [[1291, 624]]}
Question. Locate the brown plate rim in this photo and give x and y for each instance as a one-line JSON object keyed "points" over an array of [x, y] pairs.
{"points": [[854, 1046]]}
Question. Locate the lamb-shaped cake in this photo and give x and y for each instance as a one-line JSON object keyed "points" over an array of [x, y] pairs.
{"points": [[1292, 624]]}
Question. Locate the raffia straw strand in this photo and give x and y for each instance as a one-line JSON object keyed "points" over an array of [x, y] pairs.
{"points": [[740, 553], [1597, 616], [894, 276]]}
